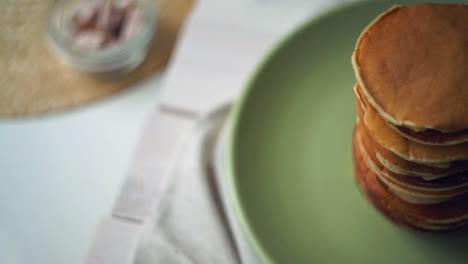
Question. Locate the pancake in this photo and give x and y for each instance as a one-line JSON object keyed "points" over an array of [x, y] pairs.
{"points": [[401, 146], [432, 137], [412, 65], [448, 182], [412, 189], [362, 106], [446, 216], [398, 165]]}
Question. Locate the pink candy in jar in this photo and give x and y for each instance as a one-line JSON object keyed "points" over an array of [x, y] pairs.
{"points": [[98, 23]]}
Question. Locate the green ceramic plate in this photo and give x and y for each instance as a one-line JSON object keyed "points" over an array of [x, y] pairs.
{"points": [[289, 157]]}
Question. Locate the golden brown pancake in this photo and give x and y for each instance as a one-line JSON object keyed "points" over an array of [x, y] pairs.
{"points": [[438, 217], [450, 181], [412, 65], [401, 146], [362, 105], [410, 188], [398, 165], [432, 137]]}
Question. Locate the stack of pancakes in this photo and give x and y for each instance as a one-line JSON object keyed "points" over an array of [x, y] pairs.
{"points": [[410, 145]]}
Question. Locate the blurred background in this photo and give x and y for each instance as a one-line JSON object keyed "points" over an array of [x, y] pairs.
{"points": [[67, 139]]}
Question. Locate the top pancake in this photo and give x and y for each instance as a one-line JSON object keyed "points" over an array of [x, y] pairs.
{"points": [[412, 64]]}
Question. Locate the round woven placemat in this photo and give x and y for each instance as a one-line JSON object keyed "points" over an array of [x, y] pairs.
{"points": [[33, 81]]}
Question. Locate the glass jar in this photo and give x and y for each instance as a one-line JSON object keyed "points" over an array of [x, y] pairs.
{"points": [[115, 60]]}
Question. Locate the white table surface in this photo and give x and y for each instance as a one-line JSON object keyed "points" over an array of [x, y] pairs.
{"points": [[61, 173]]}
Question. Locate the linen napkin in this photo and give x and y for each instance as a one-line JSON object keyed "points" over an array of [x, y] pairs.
{"points": [[194, 223]]}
